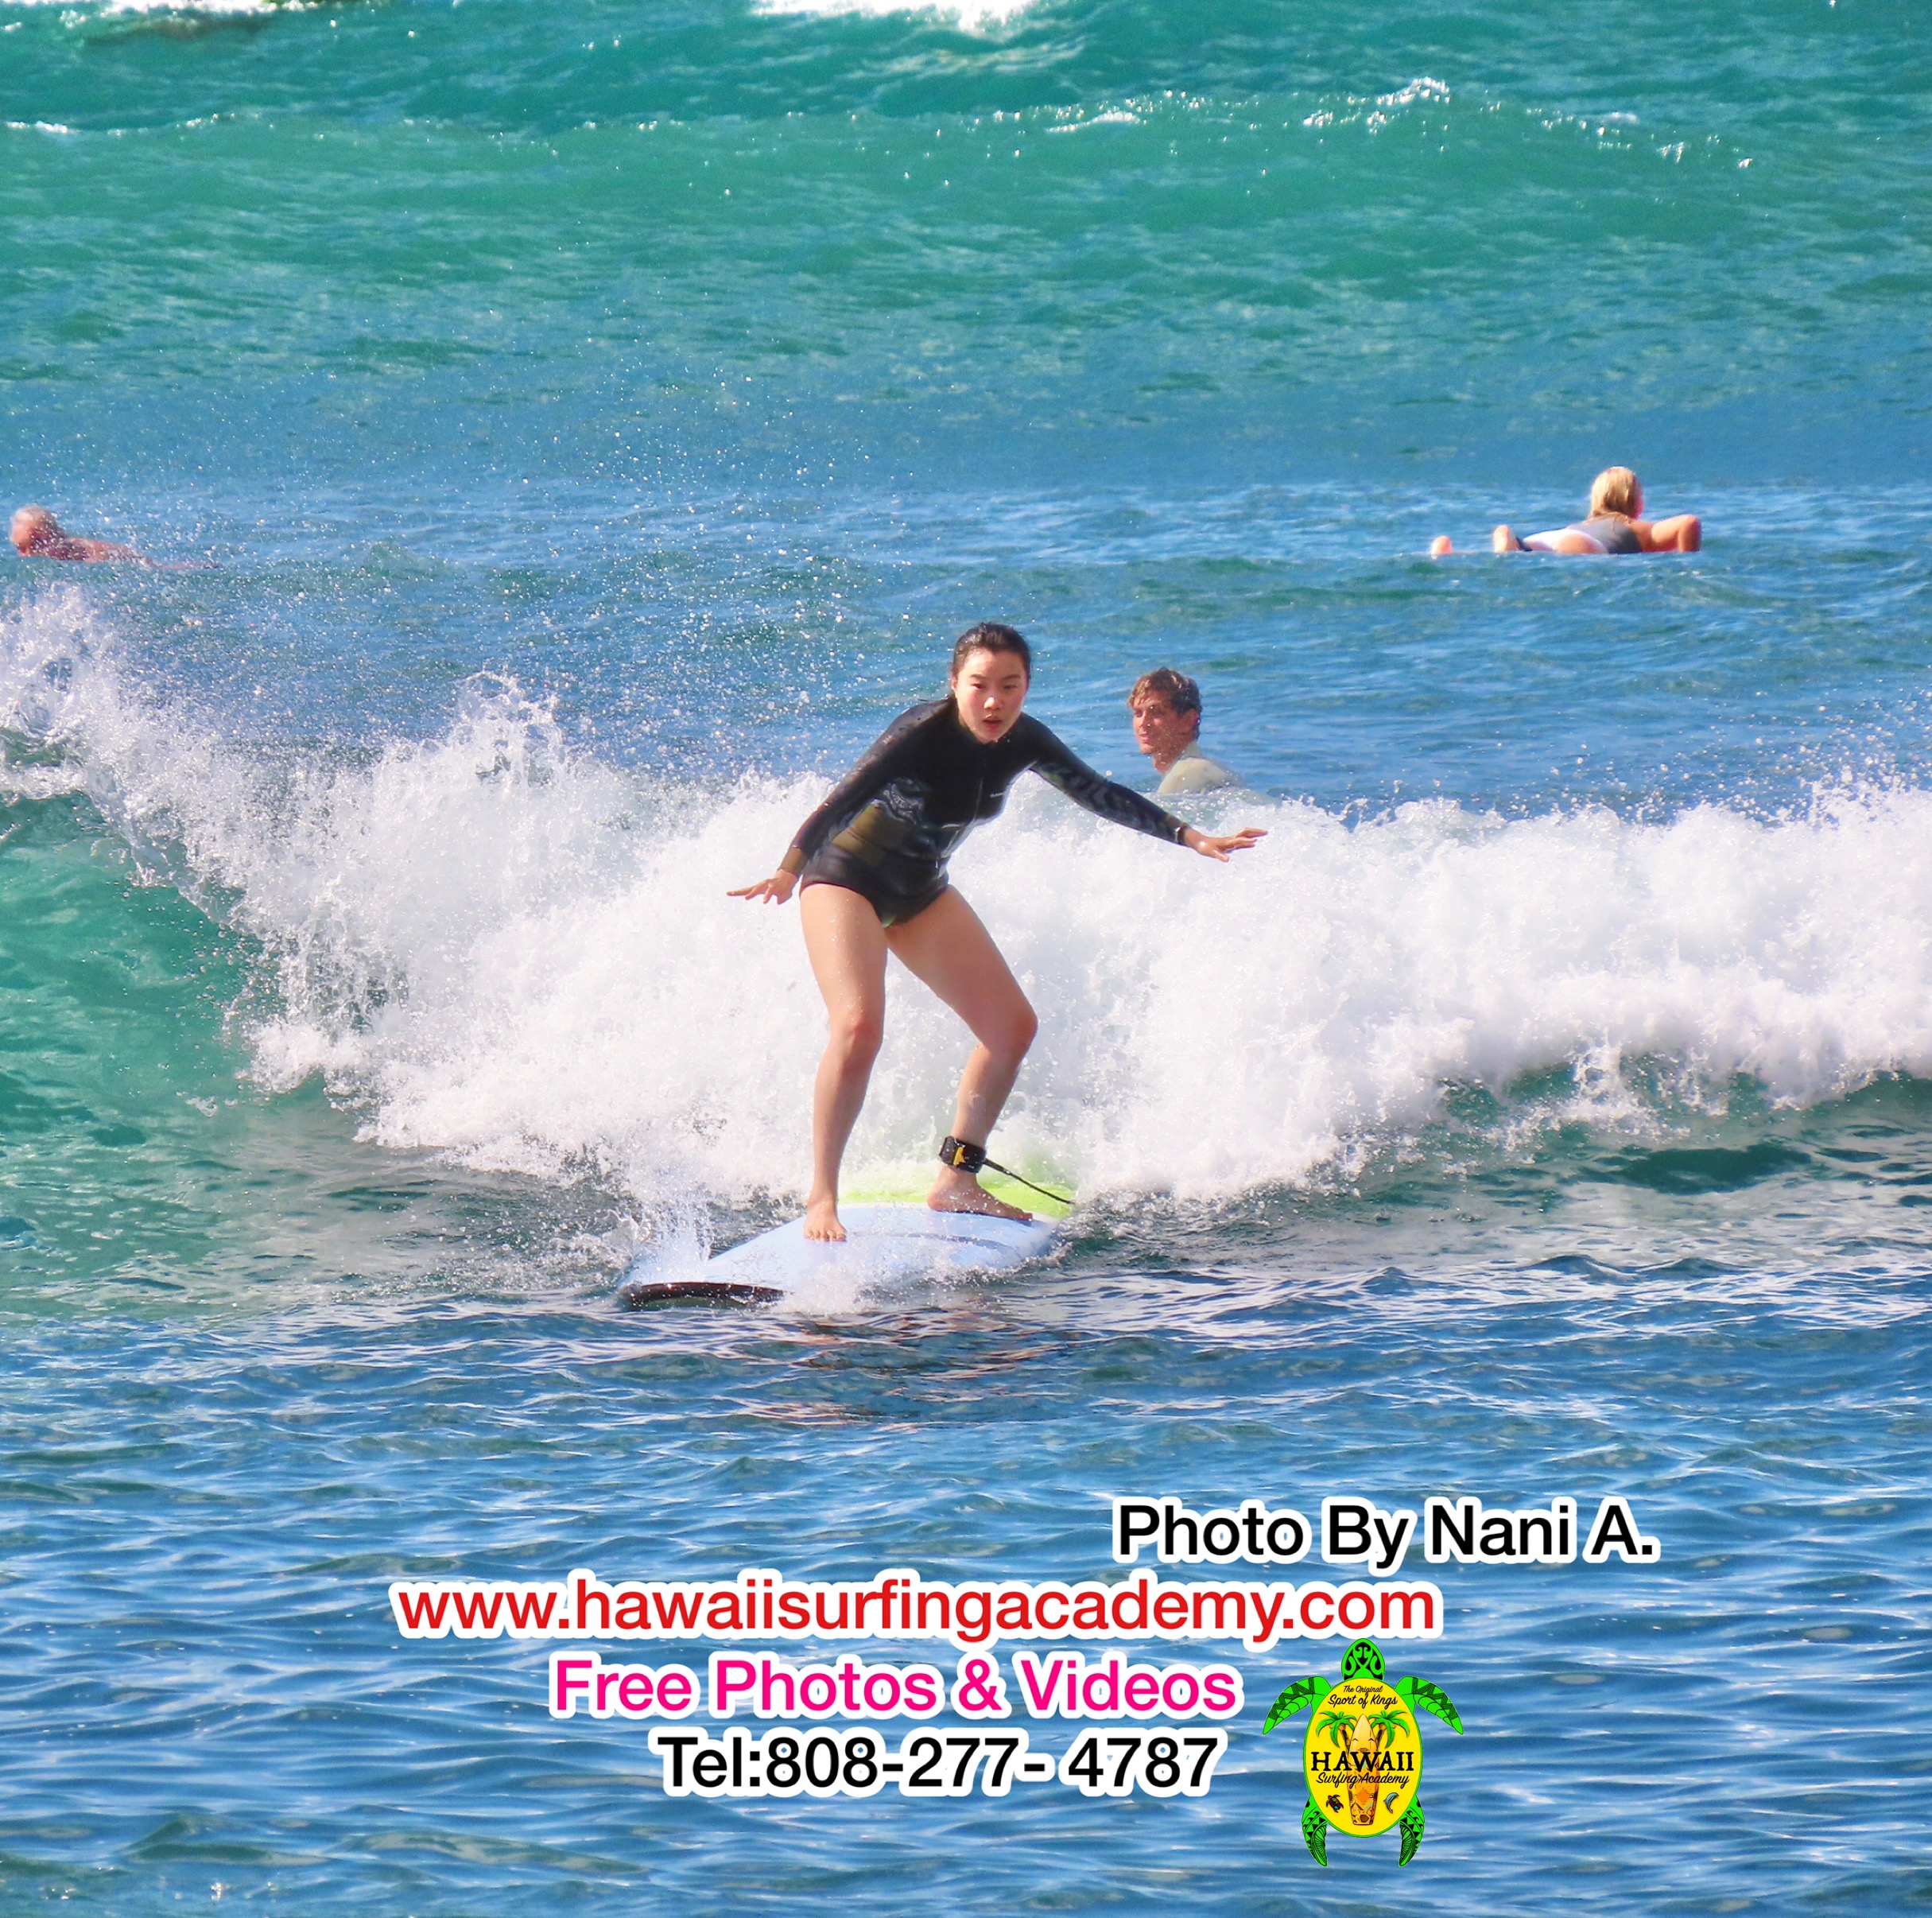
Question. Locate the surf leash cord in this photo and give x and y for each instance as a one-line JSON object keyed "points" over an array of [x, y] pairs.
{"points": [[965, 1157]]}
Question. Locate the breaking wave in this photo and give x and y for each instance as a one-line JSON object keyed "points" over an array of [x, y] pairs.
{"points": [[500, 947]]}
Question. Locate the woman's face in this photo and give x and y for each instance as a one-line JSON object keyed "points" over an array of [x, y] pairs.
{"points": [[989, 690]]}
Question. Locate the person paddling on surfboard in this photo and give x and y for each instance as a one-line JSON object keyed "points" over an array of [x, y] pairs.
{"points": [[1615, 524], [873, 862]]}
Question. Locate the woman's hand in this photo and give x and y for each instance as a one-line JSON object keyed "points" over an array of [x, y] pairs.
{"points": [[1212, 846], [778, 889]]}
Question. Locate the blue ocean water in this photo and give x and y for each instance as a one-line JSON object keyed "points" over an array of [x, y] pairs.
{"points": [[576, 430]]}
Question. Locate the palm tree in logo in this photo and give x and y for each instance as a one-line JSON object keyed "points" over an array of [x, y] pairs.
{"points": [[1361, 1737], [1387, 1723], [1336, 1726]]}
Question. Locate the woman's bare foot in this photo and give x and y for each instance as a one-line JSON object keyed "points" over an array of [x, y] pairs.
{"points": [[954, 1190], [1439, 547], [821, 1221]]}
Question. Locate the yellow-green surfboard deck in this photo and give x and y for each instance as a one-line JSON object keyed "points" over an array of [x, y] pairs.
{"points": [[911, 1189]]}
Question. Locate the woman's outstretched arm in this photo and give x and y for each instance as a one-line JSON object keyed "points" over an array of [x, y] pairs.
{"points": [[1066, 772], [1218, 845]]}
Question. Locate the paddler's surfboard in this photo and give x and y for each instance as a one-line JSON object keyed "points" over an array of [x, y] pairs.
{"points": [[884, 1244]]}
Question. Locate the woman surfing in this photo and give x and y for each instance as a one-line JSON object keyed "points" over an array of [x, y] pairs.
{"points": [[872, 860]]}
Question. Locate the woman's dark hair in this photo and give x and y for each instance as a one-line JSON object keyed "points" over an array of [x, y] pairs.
{"points": [[990, 637]]}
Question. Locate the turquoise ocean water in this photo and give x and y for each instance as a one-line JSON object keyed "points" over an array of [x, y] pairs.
{"points": [[587, 423]]}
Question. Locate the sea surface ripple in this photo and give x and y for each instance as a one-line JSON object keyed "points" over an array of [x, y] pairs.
{"points": [[575, 429]]}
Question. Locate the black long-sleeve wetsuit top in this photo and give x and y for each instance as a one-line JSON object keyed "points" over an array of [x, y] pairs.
{"points": [[886, 830]]}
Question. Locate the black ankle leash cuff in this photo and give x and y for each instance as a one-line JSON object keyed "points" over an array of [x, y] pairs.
{"points": [[958, 1153], [964, 1156]]}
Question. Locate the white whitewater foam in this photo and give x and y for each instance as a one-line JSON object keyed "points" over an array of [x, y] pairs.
{"points": [[109, 8], [975, 16], [508, 951]]}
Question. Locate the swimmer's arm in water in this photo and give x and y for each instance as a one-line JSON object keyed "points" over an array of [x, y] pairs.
{"points": [[1068, 774], [878, 766], [1682, 533]]}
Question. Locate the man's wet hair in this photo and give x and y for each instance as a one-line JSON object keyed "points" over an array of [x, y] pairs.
{"points": [[989, 636], [1179, 692]]}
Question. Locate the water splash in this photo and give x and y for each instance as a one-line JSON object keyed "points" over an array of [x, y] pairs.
{"points": [[503, 948], [973, 16]]}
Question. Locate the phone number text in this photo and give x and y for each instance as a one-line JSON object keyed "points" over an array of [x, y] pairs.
{"points": [[856, 1763]]}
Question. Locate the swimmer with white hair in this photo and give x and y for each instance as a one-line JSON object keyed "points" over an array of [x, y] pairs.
{"points": [[37, 535], [1615, 525]]}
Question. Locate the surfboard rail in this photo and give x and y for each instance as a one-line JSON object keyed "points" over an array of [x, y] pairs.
{"points": [[885, 1244]]}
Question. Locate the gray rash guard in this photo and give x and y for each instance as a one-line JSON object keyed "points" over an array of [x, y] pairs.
{"points": [[1612, 532], [886, 830]]}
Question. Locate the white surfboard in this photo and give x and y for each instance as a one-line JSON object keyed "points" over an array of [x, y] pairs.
{"points": [[884, 1245]]}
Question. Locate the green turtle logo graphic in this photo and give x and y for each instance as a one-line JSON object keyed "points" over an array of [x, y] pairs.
{"points": [[1363, 1756]]}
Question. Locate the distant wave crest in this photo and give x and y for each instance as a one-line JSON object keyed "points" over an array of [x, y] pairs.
{"points": [[109, 8], [976, 16]]}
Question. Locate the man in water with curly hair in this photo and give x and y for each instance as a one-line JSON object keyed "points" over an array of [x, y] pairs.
{"points": [[1166, 708]]}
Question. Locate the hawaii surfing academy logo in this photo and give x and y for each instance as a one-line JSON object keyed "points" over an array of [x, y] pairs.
{"points": [[1362, 1756]]}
